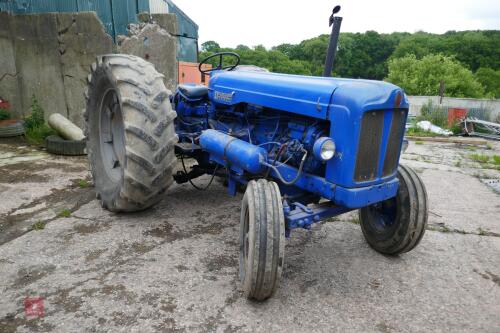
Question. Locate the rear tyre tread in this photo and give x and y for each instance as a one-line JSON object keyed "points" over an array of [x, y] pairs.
{"points": [[149, 157]]}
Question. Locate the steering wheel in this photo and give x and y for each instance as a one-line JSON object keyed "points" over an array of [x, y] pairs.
{"points": [[220, 67]]}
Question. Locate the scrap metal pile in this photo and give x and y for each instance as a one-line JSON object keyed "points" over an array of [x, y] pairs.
{"points": [[481, 128]]}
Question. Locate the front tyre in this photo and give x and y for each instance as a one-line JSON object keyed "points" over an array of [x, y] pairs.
{"points": [[397, 225], [262, 240], [130, 133]]}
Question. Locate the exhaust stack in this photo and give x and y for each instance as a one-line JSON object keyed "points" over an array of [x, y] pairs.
{"points": [[335, 23]]}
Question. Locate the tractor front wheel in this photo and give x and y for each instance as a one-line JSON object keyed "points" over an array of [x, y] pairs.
{"points": [[262, 239], [397, 225], [130, 132]]}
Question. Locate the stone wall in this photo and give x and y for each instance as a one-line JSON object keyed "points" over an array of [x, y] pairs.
{"points": [[48, 56]]}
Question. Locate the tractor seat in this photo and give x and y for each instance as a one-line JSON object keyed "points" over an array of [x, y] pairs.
{"points": [[193, 91]]}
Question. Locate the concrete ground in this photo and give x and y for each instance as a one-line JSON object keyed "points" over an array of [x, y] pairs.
{"points": [[174, 268]]}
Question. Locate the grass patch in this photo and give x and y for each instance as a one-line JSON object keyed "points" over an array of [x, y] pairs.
{"points": [[64, 213], [36, 136], [481, 158], [40, 225], [458, 163], [496, 159], [419, 142], [415, 131], [35, 128], [83, 183], [354, 220], [489, 147]]}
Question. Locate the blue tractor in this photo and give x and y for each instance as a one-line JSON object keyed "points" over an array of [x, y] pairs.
{"points": [[306, 149]]}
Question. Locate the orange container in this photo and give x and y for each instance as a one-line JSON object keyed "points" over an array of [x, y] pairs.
{"points": [[189, 73], [455, 115]]}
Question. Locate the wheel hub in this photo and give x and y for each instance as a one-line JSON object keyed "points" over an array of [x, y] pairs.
{"points": [[112, 142]]}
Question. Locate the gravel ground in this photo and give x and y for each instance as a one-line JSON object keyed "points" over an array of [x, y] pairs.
{"points": [[174, 268]]}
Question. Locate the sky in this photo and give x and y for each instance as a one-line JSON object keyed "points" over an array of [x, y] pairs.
{"points": [[273, 22]]}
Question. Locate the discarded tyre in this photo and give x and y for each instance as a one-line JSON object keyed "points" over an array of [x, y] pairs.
{"points": [[11, 128], [262, 239], [130, 133], [397, 225], [59, 146]]}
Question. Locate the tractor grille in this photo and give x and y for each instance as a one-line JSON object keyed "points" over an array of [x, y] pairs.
{"points": [[394, 145], [370, 144]]}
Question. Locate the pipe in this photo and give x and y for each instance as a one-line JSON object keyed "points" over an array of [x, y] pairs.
{"points": [[234, 151], [65, 128], [335, 22]]}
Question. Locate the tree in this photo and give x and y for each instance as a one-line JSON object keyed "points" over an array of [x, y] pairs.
{"points": [[490, 79], [210, 46], [423, 77]]}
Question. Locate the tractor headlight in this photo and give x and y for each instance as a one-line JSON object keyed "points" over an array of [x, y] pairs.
{"points": [[324, 149]]}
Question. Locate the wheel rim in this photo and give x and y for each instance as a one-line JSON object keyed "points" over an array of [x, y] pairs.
{"points": [[383, 215], [112, 142]]}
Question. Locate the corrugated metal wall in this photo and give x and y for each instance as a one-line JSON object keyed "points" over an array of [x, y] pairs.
{"points": [[187, 47], [116, 15], [158, 7]]}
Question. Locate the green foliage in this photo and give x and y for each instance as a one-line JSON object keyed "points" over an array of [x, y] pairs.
{"points": [[210, 46], [455, 56], [4, 114], [496, 159], [35, 128], [419, 143], [40, 225], [36, 118], [474, 49], [423, 76], [272, 60], [416, 131], [481, 158], [83, 183], [64, 213], [490, 79], [436, 114]]}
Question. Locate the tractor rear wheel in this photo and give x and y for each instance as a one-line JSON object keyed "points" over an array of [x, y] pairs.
{"points": [[130, 132], [262, 239], [397, 225]]}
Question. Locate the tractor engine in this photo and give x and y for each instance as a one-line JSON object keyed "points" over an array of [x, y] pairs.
{"points": [[284, 138]]}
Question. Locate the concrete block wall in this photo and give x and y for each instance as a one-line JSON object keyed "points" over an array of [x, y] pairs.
{"points": [[154, 39], [491, 105], [48, 56]]}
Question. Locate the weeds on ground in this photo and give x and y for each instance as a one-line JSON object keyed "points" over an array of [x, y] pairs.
{"points": [[489, 147], [354, 220], [496, 159], [436, 114], [40, 225], [482, 232], [64, 213], [83, 183], [458, 163], [481, 158], [415, 131], [4, 114], [419, 142], [35, 128]]}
